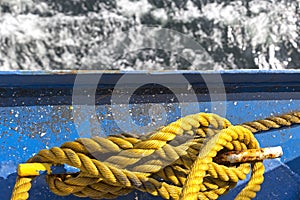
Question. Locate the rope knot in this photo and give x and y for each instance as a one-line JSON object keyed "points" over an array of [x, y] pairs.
{"points": [[178, 161]]}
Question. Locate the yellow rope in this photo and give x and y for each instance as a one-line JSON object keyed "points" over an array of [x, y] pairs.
{"points": [[175, 162]]}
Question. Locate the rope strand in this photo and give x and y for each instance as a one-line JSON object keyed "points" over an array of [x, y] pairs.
{"points": [[175, 162]]}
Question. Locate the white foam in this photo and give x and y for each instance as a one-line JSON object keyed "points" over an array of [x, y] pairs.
{"points": [[137, 8]]}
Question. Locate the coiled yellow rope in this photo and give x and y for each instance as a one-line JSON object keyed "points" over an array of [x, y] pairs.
{"points": [[176, 162]]}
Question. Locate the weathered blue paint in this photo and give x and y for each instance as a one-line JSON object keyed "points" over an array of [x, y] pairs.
{"points": [[60, 169], [36, 113]]}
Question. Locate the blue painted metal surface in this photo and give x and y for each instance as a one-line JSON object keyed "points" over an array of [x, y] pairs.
{"points": [[36, 113]]}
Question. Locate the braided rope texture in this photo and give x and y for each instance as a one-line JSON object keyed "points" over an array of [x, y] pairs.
{"points": [[175, 162]]}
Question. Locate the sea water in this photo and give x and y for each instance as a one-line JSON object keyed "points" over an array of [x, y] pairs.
{"points": [[47, 34]]}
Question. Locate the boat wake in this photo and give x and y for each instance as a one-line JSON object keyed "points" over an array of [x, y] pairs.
{"points": [[45, 35]]}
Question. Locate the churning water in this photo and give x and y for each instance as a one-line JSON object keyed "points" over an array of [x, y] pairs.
{"points": [[60, 34]]}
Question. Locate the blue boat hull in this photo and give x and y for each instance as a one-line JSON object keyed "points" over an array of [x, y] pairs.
{"points": [[37, 112]]}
